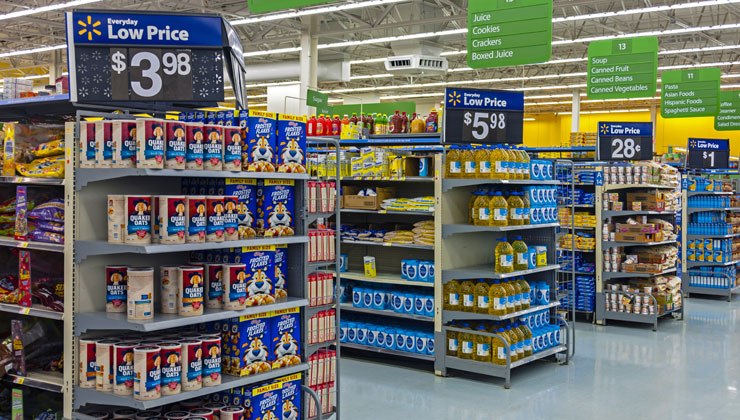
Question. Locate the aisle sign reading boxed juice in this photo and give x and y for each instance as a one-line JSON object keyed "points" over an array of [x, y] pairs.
{"points": [[622, 68], [509, 32], [729, 111], [690, 93]]}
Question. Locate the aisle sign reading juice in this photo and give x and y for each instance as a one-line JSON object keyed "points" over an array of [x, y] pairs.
{"points": [[622, 68]]}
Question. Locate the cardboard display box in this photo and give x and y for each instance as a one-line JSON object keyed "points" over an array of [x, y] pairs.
{"points": [[638, 237], [350, 199], [642, 268], [638, 228], [651, 201]]}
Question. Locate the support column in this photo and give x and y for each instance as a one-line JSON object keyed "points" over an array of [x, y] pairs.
{"points": [[309, 60], [575, 118], [55, 67], [654, 120]]}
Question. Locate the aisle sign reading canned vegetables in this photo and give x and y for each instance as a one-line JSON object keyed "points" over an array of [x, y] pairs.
{"points": [[690, 93], [622, 68]]}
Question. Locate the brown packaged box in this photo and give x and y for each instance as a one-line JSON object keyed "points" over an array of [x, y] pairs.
{"points": [[350, 199], [665, 301], [638, 228], [642, 268], [651, 201], [638, 237]]}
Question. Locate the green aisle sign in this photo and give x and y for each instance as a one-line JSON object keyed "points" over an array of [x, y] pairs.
{"points": [[262, 6], [317, 99], [690, 93], [729, 111], [622, 68], [509, 32]]}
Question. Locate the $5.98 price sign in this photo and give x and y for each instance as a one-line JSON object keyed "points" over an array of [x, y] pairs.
{"points": [[483, 116], [480, 125], [625, 141], [150, 74]]}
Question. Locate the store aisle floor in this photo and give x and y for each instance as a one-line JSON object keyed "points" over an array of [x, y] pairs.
{"points": [[687, 370]]}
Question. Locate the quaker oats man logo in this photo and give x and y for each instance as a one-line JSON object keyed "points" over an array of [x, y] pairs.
{"points": [[89, 28]]}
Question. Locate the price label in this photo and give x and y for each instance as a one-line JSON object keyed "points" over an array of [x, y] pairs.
{"points": [[625, 148], [479, 125], [483, 116], [18, 380], [708, 154], [625, 141], [153, 74], [25, 311]]}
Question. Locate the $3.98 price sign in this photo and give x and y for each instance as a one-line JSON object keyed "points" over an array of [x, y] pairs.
{"points": [[150, 74], [479, 126], [625, 141]]}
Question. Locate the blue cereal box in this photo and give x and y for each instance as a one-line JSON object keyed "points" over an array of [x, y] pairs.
{"points": [[254, 338], [261, 128], [285, 330], [291, 397], [265, 402], [291, 144], [235, 352], [281, 271], [220, 118], [200, 117], [275, 212], [245, 190], [260, 270]]}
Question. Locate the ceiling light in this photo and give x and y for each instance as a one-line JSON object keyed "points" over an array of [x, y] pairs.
{"points": [[308, 12], [650, 33], [270, 52], [644, 10], [371, 76], [48, 8], [33, 50]]}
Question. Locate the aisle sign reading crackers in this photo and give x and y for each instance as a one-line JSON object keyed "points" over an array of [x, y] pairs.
{"points": [[509, 32], [622, 68], [690, 93]]}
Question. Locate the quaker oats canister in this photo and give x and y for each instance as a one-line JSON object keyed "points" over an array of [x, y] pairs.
{"points": [[214, 286], [195, 219], [138, 219], [123, 368], [171, 216], [116, 278], [235, 286], [192, 364], [171, 368], [116, 219], [147, 373], [168, 277], [87, 368], [211, 345], [190, 283], [104, 355], [140, 293]]}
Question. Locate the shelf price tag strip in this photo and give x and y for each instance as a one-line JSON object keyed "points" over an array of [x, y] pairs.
{"points": [[622, 68], [708, 153], [621, 141], [690, 93], [483, 116]]}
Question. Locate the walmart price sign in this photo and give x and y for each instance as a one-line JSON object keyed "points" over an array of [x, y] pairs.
{"points": [[117, 57], [625, 141], [708, 153], [483, 116]]}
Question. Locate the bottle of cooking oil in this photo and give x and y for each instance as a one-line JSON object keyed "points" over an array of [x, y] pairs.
{"points": [[499, 210], [482, 162], [482, 299], [517, 295], [527, 338], [482, 210], [504, 254], [521, 254], [453, 167], [511, 339], [515, 206], [465, 343], [482, 346], [471, 209], [510, 296], [526, 298], [452, 340], [519, 340], [526, 209], [497, 299], [526, 163], [498, 159], [467, 293], [498, 349], [468, 161], [451, 297], [513, 163]]}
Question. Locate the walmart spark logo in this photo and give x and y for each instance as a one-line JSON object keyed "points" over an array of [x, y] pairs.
{"points": [[454, 98], [604, 129], [692, 144], [89, 28]]}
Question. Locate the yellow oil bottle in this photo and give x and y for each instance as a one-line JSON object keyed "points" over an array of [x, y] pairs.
{"points": [[453, 163], [497, 299], [466, 343], [467, 293], [510, 296], [482, 298], [527, 333], [451, 291], [521, 254], [482, 162], [519, 340], [482, 346], [517, 295], [498, 349], [499, 163], [515, 206], [482, 210], [499, 209], [504, 255], [468, 162], [526, 297]]}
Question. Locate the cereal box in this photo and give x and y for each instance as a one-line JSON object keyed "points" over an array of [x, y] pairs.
{"points": [[275, 212], [175, 148], [281, 271], [246, 192], [261, 141], [265, 402], [253, 340], [150, 143], [291, 144], [213, 149], [260, 269], [194, 144], [124, 144], [87, 147], [200, 117], [232, 148], [104, 141], [231, 218], [291, 396], [286, 335]]}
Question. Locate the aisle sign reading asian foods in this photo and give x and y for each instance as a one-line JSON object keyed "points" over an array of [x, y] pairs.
{"points": [[708, 153], [690, 93], [483, 116], [728, 117], [262, 6], [622, 68], [623, 141], [509, 32], [134, 56]]}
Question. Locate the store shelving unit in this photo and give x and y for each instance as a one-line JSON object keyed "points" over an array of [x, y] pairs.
{"points": [[466, 253], [603, 277]]}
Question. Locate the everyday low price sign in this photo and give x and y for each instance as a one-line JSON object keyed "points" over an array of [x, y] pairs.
{"points": [[708, 153], [623, 141], [729, 111], [622, 68], [690, 93], [483, 116], [509, 32]]}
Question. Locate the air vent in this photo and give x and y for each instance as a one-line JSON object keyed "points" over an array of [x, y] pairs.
{"points": [[416, 64]]}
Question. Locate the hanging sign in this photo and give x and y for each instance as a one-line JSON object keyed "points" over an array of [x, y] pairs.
{"points": [[483, 116], [729, 111], [622, 68], [317, 99], [623, 141], [115, 57], [509, 32], [262, 6], [690, 93], [708, 154]]}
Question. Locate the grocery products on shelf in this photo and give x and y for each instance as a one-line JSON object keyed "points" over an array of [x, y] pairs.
{"points": [[642, 173], [645, 296], [583, 241], [701, 183], [713, 223], [495, 162], [321, 245], [715, 277], [417, 270], [584, 298], [639, 229], [493, 207], [403, 300], [495, 297], [566, 196], [655, 259], [320, 289], [33, 150], [321, 328], [406, 336], [582, 218], [321, 378], [565, 259], [712, 250], [419, 233], [371, 162], [321, 196]]}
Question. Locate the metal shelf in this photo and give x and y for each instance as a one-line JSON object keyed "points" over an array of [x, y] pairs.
{"points": [[451, 229], [391, 244], [384, 312], [41, 246], [690, 264], [312, 217], [450, 183], [312, 310], [616, 243], [316, 265], [711, 290], [732, 235], [48, 381], [699, 209], [578, 273], [85, 396], [486, 271], [448, 316], [36, 310], [693, 193], [487, 368], [313, 348], [85, 176], [578, 227], [613, 213], [632, 317], [119, 321], [405, 213], [606, 275], [613, 187], [591, 251], [384, 279], [386, 351], [31, 181], [382, 178], [84, 249]]}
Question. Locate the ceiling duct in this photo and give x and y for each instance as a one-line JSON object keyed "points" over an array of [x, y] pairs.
{"points": [[329, 71]]}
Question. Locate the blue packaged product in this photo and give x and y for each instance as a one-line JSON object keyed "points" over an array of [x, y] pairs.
{"points": [[245, 190], [361, 333], [291, 144], [285, 330], [390, 338], [210, 117], [261, 128], [408, 303], [378, 300], [265, 402], [400, 339], [281, 271], [260, 271], [367, 298], [372, 335], [343, 263], [357, 297], [419, 304], [189, 117], [404, 272], [430, 344], [219, 118], [276, 209], [412, 270], [200, 116], [421, 343], [431, 274], [242, 121], [410, 345], [429, 305], [397, 302], [422, 271], [351, 332], [343, 332], [291, 397], [253, 338], [380, 340]]}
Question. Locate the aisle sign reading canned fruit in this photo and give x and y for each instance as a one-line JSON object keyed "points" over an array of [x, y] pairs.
{"points": [[690, 93], [483, 116], [509, 32], [622, 68], [728, 117], [145, 57], [623, 141], [708, 153]]}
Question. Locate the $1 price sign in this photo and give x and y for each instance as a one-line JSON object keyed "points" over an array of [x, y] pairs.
{"points": [[150, 74], [625, 141], [708, 153]]}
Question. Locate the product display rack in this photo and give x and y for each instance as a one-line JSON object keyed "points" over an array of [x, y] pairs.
{"points": [[604, 277], [467, 254]]}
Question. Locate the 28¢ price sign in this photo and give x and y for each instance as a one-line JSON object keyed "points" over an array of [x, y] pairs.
{"points": [[625, 141], [151, 74]]}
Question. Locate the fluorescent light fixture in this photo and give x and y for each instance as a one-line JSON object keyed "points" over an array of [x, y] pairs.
{"points": [[644, 10], [371, 76], [529, 119], [33, 50], [229, 98], [49, 8], [650, 33], [308, 12], [611, 111], [270, 52], [680, 149]]}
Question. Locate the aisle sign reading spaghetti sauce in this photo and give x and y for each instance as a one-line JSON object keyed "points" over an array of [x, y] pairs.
{"points": [[690, 93]]}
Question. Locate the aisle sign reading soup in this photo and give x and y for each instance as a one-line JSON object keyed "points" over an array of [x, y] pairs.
{"points": [[622, 68]]}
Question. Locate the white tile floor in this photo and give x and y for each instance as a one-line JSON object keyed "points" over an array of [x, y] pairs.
{"points": [[686, 370]]}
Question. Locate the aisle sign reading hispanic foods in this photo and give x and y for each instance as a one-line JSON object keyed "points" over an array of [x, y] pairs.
{"points": [[262, 6], [622, 68], [145, 57], [483, 116], [690, 93], [509, 32], [728, 117]]}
